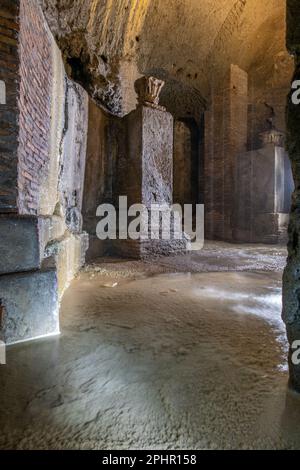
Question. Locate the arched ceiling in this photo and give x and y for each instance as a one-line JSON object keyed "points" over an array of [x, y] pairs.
{"points": [[190, 43]]}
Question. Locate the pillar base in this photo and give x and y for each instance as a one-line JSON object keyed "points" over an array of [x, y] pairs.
{"points": [[145, 249]]}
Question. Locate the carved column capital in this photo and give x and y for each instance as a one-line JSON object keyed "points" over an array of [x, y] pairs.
{"points": [[272, 136], [148, 90]]}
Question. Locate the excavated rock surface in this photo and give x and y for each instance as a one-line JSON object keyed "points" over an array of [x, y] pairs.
{"points": [[107, 44]]}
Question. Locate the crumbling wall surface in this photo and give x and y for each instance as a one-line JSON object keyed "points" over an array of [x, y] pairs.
{"points": [[269, 82], [73, 156], [105, 43], [268, 89], [66, 241], [9, 65], [98, 41], [291, 279]]}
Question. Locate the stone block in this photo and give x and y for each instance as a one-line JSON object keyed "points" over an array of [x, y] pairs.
{"points": [[20, 244], [29, 305], [69, 255], [50, 228], [149, 249]]}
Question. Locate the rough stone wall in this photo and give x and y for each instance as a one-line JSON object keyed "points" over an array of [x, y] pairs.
{"points": [[267, 96], [73, 157], [225, 139], [104, 40], [34, 104], [291, 279], [112, 28], [9, 65]]}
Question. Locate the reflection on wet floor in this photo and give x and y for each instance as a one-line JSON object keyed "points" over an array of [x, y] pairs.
{"points": [[153, 358]]}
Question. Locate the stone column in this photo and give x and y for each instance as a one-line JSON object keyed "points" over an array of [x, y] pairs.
{"points": [[263, 192], [225, 139], [291, 278], [147, 177]]}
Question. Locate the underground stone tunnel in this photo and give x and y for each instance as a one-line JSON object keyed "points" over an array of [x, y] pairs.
{"points": [[149, 342]]}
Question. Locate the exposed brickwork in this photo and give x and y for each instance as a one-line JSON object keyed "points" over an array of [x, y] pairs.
{"points": [[225, 139], [9, 64], [182, 162], [35, 104]]}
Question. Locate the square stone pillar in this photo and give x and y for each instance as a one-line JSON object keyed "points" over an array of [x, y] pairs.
{"points": [[264, 187], [225, 138], [147, 177]]}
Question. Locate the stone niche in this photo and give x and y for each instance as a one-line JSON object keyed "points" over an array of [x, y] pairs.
{"points": [[264, 186], [182, 163], [146, 174]]}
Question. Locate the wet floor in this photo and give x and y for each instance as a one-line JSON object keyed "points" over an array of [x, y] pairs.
{"points": [[152, 355]]}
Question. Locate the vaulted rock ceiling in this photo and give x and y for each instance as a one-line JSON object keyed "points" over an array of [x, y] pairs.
{"points": [[190, 43]]}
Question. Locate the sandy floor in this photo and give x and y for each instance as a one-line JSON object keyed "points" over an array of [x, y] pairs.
{"points": [[153, 355]]}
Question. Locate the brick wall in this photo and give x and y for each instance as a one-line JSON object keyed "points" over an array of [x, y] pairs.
{"points": [[182, 162], [225, 139], [9, 65], [26, 70], [35, 104]]}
